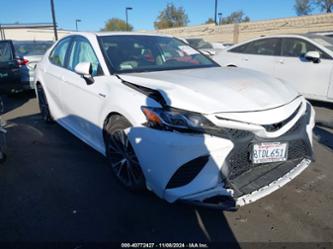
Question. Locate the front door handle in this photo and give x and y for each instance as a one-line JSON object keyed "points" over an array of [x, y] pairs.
{"points": [[281, 61]]}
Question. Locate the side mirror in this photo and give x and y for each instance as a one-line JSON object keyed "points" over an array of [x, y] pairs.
{"points": [[85, 70], [313, 56]]}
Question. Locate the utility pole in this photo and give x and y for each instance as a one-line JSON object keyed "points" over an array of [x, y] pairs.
{"points": [[126, 12], [54, 21], [215, 13], [220, 18], [76, 26]]}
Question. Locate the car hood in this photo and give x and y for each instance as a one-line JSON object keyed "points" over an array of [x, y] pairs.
{"points": [[216, 89]]}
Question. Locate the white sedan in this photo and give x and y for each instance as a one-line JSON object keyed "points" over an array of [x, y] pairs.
{"points": [[304, 61], [171, 120]]}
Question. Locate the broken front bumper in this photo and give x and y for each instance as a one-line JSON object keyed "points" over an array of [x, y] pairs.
{"points": [[214, 171]]}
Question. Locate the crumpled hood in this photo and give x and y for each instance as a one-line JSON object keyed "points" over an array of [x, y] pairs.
{"points": [[216, 89]]}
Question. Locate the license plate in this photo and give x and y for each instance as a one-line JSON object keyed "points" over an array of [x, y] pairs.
{"points": [[269, 152]]}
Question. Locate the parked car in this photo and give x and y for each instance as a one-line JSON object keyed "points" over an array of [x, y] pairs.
{"points": [[304, 61], [172, 120], [9, 67], [205, 47], [328, 34], [29, 53]]}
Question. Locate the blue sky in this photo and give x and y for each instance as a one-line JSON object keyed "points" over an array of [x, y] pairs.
{"points": [[94, 13]]}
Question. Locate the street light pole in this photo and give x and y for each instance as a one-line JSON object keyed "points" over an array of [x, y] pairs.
{"points": [[54, 21], [76, 26], [215, 13], [220, 18], [126, 12]]}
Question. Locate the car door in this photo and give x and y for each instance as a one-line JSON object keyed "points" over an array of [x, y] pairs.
{"points": [[83, 101], [307, 77], [54, 76], [257, 55]]}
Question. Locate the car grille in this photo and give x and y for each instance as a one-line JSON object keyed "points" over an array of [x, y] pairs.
{"points": [[298, 148]]}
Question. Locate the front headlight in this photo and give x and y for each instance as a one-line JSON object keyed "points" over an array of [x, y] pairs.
{"points": [[175, 119]]}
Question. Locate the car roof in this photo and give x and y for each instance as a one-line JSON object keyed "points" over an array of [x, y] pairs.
{"points": [[101, 34]]}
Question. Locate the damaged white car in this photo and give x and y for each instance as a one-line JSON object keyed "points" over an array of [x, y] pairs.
{"points": [[171, 120]]}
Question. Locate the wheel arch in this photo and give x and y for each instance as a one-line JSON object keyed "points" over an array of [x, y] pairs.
{"points": [[106, 120]]}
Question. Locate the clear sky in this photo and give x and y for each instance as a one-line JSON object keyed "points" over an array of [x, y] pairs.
{"points": [[94, 13]]}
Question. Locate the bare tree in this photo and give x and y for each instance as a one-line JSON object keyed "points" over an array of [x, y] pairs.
{"points": [[236, 17], [303, 7], [325, 5]]}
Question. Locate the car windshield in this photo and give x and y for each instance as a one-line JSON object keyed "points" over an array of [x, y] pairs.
{"points": [[31, 48], [199, 44], [5, 51], [325, 41], [144, 53]]}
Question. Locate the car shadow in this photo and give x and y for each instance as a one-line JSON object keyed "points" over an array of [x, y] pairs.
{"points": [[324, 136], [323, 130], [54, 187], [318, 103], [15, 100]]}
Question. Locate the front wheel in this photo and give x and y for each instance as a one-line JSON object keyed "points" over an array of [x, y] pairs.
{"points": [[121, 156]]}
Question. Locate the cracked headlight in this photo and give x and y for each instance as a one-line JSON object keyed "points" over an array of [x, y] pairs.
{"points": [[175, 119]]}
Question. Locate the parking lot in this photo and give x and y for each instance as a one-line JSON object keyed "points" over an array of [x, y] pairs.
{"points": [[55, 188]]}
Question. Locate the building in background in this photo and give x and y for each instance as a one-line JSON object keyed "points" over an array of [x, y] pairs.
{"points": [[30, 31]]}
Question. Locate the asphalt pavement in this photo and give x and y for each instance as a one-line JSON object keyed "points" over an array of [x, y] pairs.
{"points": [[53, 187]]}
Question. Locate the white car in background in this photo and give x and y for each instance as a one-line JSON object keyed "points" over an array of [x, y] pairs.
{"points": [[28, 54], [304, 61], [172, 120], [208, 48]]}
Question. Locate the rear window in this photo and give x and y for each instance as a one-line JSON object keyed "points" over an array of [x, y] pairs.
{"points": [[31, 48], [6, 53]]}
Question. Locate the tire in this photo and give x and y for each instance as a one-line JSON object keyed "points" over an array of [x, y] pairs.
{"points": [[43, 104], [121, 156], [3, 157]]}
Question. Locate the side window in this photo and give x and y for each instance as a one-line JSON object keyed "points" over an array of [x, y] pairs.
{"points": [[240, 49], [83, 52], [270, 46], [293, 47], [58, 54], [5, 51]]}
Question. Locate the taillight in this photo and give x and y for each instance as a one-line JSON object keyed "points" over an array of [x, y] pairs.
{"points": [[22, 61]]}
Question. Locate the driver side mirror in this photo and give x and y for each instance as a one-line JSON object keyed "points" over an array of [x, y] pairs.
{"points": [[85, 70], [313, 56]]}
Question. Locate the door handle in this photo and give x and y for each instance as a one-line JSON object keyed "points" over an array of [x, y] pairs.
{"points": [[246, 59], [281, 61], [102, 95]]}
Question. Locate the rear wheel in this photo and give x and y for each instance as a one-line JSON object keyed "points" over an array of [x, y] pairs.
{"points": [[43, 104], [121, 156]]}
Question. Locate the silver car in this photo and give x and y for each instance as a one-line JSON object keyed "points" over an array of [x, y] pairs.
{"points": [[29, 53]]}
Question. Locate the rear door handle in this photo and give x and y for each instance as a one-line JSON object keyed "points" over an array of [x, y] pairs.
{"points": [[246, 59]]}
